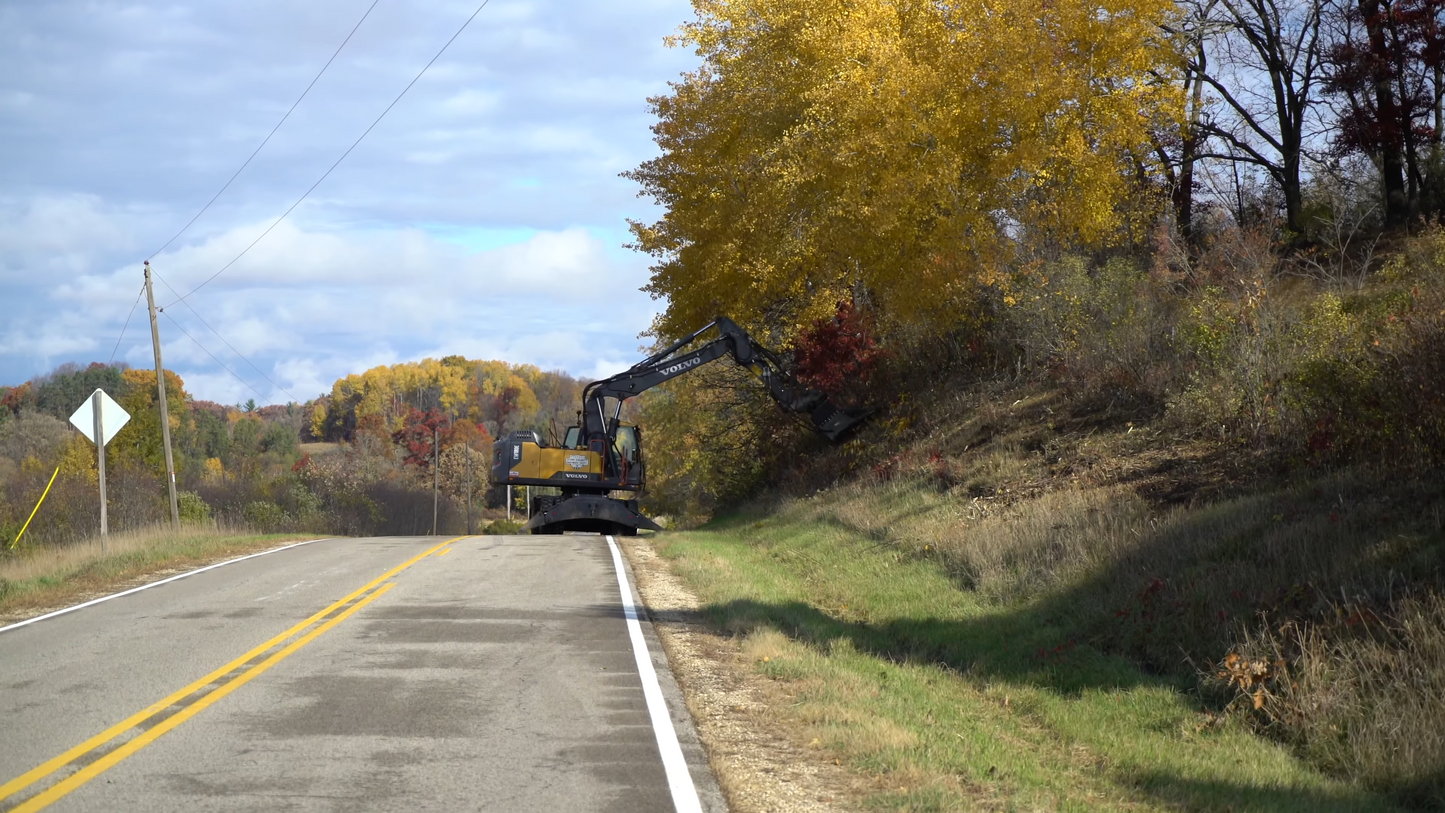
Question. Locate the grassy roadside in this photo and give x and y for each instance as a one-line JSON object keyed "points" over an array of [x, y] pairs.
{"points": [[36, 580], [958, 700]]}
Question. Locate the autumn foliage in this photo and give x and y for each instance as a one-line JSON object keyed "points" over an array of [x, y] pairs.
{"points": [[838, 355], [495, 396], [831, 146], [420, 435]]}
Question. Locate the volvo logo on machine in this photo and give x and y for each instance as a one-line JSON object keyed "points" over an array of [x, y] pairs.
{"points": [[681, 366]]}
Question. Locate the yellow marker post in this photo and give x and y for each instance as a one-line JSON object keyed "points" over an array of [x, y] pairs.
{"points": [[37, 508]]}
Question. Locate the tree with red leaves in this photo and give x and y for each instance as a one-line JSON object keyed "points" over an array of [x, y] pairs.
{"points": [[1388, 67], [418, 433], [839, 354], [16, 398]]}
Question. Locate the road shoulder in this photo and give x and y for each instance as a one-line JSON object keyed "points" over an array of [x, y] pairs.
{"points": [[760, 763], [68, 584]]}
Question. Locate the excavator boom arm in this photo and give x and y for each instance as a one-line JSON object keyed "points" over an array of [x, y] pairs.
{"points": [[732, 340]]}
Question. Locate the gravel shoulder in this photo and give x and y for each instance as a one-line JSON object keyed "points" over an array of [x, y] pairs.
{"points": [[762, 764]]}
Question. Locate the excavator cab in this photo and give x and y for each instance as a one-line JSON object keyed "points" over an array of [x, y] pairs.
{"points": [[623, 461]]}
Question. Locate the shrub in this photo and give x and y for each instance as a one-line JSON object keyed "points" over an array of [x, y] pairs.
{"points": [[302, 504], [838, 355], [503, 527], [264, 516], [1110, 329], [192, 507]]}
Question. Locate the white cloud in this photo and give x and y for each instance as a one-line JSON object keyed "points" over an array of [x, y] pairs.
{"points": [[482, 217], [49, 237], [307, 307]]}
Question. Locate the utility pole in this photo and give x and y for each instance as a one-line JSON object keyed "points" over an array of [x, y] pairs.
{"points": [[161, 394], [435, 480], [469, 488]]}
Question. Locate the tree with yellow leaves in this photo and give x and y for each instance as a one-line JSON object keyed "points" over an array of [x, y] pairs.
{"points": [[891, 152], [499, 395], [139, 441]]}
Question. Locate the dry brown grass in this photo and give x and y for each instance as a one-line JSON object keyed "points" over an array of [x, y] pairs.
{"points": [[318, 449], [37, 579], [1366, 696], [1010, 551]]}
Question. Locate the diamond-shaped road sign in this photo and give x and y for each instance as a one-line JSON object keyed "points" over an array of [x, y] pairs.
{"points": [[112, 417]]}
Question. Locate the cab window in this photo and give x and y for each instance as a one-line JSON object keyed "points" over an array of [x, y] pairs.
{"points": [[627, 442], [571, 441]]}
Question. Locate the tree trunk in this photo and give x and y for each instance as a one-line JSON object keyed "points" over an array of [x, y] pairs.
{"points": [[1392, 160], [1432, 196], [1294, 207], [1405, 116], [1184, 189]]}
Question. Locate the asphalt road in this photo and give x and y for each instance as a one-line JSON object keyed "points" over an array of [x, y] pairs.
{"points": [[488, 673]]}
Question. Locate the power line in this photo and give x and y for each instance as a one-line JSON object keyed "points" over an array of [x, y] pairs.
{"points": [[237, 352], [343, 155], [213, 357], [126, 325], [218, 335], [227, 185], [268, 135]]}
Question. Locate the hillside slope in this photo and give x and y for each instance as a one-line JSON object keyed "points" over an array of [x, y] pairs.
{"points": [[1015, 596]]}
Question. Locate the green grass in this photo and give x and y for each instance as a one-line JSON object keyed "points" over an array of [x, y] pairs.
{"points": [[49, 576], [957, 701]]}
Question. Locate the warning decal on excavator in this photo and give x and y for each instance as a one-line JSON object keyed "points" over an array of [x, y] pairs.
{"points": [[577, 461]]}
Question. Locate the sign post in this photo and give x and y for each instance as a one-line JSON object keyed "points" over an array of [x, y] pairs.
{"points": [[98, 412], [99, 418]]}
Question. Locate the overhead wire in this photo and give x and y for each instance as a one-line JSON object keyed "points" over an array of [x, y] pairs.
{"points": [[353, 146], [182, 298], [221, 191], [218, 335], [257, 151], [213, 357], [124, 326]]}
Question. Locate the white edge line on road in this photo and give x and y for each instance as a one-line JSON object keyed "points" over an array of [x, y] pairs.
{"points": [[679, 780], [19, 624]]}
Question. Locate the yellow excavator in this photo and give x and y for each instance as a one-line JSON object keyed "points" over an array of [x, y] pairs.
{"points": [[602, 454]]}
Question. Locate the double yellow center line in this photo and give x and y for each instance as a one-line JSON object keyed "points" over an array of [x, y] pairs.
{"points": [[99, 753]]}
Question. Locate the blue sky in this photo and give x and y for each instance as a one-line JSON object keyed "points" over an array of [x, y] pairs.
{"points": [[484, 216]]}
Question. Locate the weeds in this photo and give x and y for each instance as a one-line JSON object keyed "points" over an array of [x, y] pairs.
{"points": [[502, 527], [1365, 695]]}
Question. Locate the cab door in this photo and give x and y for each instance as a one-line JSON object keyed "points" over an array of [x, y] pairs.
{"points": [[629, 450]]}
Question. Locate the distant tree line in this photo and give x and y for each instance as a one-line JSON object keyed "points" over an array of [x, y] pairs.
{"points": [[357, 461]]}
